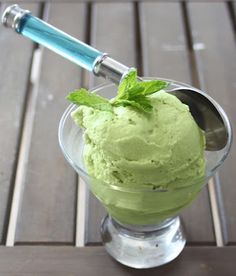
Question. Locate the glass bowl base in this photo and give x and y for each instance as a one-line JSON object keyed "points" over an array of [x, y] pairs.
{"points": [[143, 246]]}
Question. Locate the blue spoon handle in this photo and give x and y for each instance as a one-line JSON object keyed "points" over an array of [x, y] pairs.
{"points": [[63, 44], [59, 42]]}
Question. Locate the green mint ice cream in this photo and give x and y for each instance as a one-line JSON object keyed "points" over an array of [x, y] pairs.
{"points": [[144, 167]]}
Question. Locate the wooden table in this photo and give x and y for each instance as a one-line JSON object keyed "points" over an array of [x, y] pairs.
{"points": [[49, 222]]}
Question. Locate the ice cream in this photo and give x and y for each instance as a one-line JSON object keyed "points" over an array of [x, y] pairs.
{"points": [[143, 167]]}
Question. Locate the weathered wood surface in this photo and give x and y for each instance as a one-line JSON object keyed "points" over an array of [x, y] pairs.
{"points": [[215, 52], [89, 261], [108, 34], [49, 199], [165, 54], [15, 57], [47, 211]]}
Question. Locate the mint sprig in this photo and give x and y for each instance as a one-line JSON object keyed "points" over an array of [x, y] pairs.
{"points": [[131, 92], [84, 97]]}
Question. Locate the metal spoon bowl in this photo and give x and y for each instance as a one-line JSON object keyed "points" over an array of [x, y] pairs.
{"points": [[209, 116]]}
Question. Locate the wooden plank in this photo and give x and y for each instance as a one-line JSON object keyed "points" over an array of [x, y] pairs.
{"points": [[49, 199], [215, 52], [89, 261], [15, 56], [23, 151], [165, 55], [112, 32], [163, 42]]}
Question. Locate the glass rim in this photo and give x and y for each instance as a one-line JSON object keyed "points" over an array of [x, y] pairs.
{"points": [[104, 85]]}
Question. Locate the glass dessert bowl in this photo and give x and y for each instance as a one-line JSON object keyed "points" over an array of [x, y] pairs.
{"points": [[142, 228]]}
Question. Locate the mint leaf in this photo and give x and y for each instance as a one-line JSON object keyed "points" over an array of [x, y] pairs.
{"points": [[139, 102], [84, 97], [134, 93], [129, 80], [152, 86], [146, 87]]}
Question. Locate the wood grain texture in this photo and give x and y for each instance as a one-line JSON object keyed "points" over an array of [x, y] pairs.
{"points": [[49, 199], [89, 261], [165, 54], [15, 56], [112, 32], [215, 53]]}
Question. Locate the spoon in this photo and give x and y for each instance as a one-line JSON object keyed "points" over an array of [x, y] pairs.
{"points": [[209, 116], [207, 113]]}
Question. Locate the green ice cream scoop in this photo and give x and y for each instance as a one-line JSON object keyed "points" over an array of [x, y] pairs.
{"points": [[143, 167]]}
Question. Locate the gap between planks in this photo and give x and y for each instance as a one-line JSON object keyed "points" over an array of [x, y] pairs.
{"points": [[215, 213], [217, 210], [83, 190], [82, 196], [81, 213], [232, 14]]}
